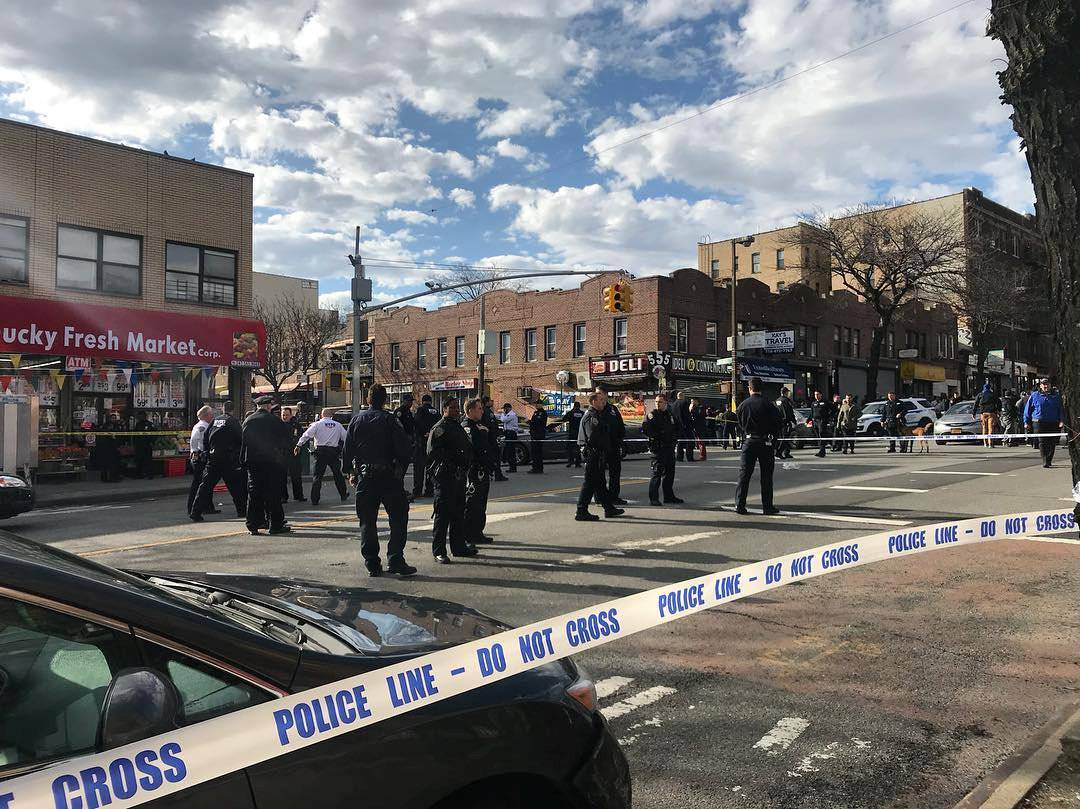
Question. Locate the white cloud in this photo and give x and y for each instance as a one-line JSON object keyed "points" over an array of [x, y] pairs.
{"points": [[656, 13], [462, 197], [507, 148], [409, 217]]}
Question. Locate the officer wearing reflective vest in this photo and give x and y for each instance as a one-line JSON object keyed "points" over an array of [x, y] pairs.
{"points": [[223, 440], [375, 447], [663, 434], [450, 455]]}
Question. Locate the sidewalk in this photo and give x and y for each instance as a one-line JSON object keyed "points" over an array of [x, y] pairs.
{"points": [[93, 491]]}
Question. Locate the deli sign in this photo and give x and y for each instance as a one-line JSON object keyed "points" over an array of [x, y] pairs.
{"points": [[625, 365], [61, 328]]}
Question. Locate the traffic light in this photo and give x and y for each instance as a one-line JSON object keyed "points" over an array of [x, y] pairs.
{"points": [[609, 300], [617, 298], [627, 298]]}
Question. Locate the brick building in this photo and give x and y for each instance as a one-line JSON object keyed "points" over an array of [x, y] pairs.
{"points": [[125, 285]]}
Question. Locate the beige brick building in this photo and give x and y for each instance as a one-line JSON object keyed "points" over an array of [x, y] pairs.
{"points": [[775, 258]]}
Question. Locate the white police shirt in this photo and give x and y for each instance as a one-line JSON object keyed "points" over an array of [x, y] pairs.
{"points": [[509, 421], [326, 432], [198, 436]]}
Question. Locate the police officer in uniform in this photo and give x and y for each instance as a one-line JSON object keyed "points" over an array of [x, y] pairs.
{"points": [[573, 417], [537, 433], [613, 456], [144, 447], [223, 440], [403, 413], [892, 416], [329, 437], [424, 419], [449, 457], [492, 424], [375, 446], [263, 455], [197, 445], [787, 413], [824, 417], [594, 438], [762, 423], [478, 476], [293, 459], [663, 434]]}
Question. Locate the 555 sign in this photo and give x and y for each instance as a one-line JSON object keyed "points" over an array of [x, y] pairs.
{"points": [[30, 326]]}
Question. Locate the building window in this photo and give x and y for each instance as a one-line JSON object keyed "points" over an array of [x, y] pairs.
{"points": [[530, 345], [890, 344], [14, 248], [714, 268], [442, 352], [780, 259], [421, 355], [549, 342], [678, 329], [710, 337], [98, 261], [621, 332], [579, 339], [806, 340], [459, 352], [755, 263], [836, 344], [917, 340], [781, 286], [395, 356], [855, 335], [504, 347], [200, 274], [947, 345]]}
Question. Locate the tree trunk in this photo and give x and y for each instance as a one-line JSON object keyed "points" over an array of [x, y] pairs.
{"points": [[982, 348], [875, 359], [1040, 82]]}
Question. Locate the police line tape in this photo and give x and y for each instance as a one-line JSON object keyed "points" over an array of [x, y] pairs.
{"points": [[171, 762], [833, 437]]}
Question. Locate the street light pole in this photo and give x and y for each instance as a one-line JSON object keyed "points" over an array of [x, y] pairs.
{"points": [[481, 357], [745, 242], [361, 295]]}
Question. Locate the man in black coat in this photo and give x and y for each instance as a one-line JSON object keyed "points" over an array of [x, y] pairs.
{"points": [[572, 418], [404, 414], [144, 447], [663, 434], [892, 418], [761, 423], [787, 413], [223, 440], [594, 438], [263, 454], [492, 429], [823, 416], [478, 475], [613, 456], [424, 419], [450, 453], [376, 447], [537, 433], [294, 476], [685, 419]]}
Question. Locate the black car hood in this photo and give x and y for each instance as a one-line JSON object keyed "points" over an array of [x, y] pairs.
{"points": [[376, 622]]}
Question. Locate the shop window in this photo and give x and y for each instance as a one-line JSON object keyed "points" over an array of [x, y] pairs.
{"points": [[459, 352], [621, 332], [97, 261], [200, 274], [579, 339], [678, 332], [549, 342], [14, 248], [504, 347], [442, 352], [530, 345], [395, 356], [710, 337], [421, 355]]}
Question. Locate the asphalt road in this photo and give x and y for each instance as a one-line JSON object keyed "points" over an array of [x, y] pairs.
{"points": [[899, 684]]}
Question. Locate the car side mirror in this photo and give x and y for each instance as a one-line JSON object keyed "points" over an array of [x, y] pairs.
{"points": [[138, 704]]}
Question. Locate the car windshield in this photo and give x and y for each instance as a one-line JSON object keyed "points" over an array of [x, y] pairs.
{"points": [[960, 409], [873, 409]]}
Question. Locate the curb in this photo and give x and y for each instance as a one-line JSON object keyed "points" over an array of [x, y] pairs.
{"points": [[59, 500], [1017, 775]]}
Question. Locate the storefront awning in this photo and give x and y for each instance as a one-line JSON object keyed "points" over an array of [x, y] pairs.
{"points": [[767, 371]]}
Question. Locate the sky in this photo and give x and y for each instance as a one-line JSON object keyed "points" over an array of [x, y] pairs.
{"points": [[533, 134]]}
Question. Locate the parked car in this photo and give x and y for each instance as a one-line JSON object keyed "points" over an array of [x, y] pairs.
{"points": [[16, 495], [960, 419], [557, 443], [917, 413], [92, 657]]}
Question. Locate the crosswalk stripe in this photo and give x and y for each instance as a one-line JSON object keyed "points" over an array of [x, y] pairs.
{"points": [[609, 685], [943, 472], [880, 489], [784, 732], [638, 700], [655, 543]]}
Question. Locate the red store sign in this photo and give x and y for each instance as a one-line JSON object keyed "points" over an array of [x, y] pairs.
{"points": [[34, 326]]}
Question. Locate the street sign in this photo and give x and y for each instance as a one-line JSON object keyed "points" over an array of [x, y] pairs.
{"points": [[995, 358], [487, 342], [907, 353]]}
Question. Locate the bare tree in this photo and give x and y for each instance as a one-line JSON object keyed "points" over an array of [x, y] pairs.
{"points": [[478, 280], [295, 338], [886, 256], [1040, 83]]}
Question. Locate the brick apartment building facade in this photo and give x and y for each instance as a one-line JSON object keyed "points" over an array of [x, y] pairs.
{"points": [[138, 265]]}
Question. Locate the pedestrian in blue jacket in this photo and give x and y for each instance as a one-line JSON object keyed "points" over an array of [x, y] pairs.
{"points": [[1044, 410]]}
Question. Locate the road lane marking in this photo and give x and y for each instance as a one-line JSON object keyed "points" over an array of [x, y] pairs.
{"points": [[652, 544], [842, 518], [784, 732], [492, 518], [735, 482], [943, 472], [69, 510], [638, 700], [609, 685], [807, 764], [880, 489]]}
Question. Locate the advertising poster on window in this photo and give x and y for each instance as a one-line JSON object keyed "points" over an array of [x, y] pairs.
{"points": [[631, 406], [47, 391], [556, 403]]}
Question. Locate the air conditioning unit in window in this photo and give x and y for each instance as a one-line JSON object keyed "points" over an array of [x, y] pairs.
{"points": [[525, 393], [582, 380]]}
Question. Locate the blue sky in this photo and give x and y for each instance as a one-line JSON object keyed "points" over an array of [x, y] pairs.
{"points": [[483, 131]]}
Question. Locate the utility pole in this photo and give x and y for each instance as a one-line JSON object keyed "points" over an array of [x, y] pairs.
{"points": [[361, 295], [482, 347], [745, 242]]}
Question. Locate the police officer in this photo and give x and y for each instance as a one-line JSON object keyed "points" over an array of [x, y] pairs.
{"points": [[492, 425], [197, 446], [613, 456], [787, 413], [293, 458], [424, 419], [375, 446], [761, 422], [403, 413], [594, 438], [449, 457], [478, 475], [329, 437], [144, 447], [823, 416], [223, 441], [508, 421], [892, 417], [573, 417], [263, 455], [684, 421], [537, 433], [663, 435]]}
